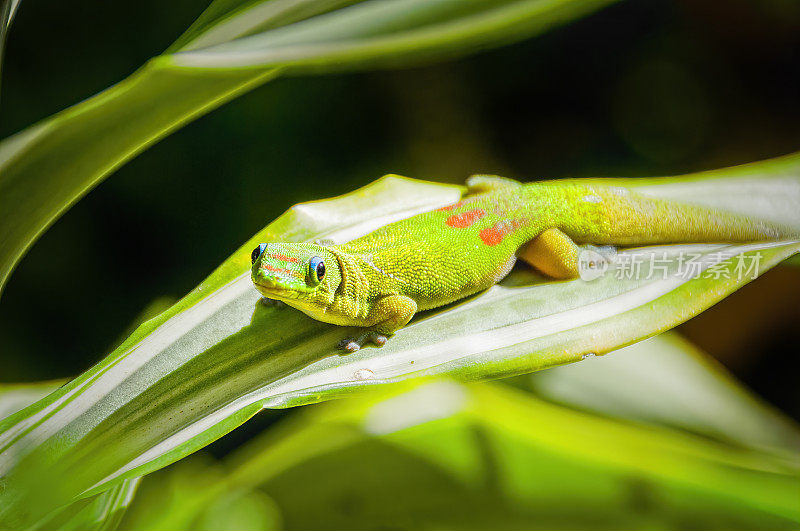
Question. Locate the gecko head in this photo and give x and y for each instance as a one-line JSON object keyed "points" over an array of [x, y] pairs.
{"points": [[295, 272]]}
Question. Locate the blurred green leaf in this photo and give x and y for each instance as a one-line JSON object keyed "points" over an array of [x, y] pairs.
{"points": [[794, 260], [8, 8], [14, 397], [226, 20], [217, 357], [483, 456], [45, 168], [102, 512], [667, 381], [370, 31], [183, 499]]}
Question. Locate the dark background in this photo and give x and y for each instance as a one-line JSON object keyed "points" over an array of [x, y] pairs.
{"points": [[645, 87]]}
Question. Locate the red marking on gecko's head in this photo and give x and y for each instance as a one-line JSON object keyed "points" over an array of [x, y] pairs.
{"points": [[285, 258], [279, 270], [465, 219]]}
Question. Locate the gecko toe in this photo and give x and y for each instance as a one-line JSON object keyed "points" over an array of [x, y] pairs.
{"points": [[354, 344], [349, 344], [378, 339]]}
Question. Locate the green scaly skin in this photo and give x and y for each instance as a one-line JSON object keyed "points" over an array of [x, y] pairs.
{"points": [[379, 281]]}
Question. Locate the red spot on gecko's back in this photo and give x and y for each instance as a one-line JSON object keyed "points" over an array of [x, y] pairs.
{"points": [[495, 234], [492, 236], [450, 207], [465, 219]]}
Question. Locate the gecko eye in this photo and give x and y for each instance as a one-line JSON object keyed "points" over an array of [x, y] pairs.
{"points": [[316, 269], [258, 251]]}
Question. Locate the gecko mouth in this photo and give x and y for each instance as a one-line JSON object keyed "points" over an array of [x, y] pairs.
{"points": [[276, 292]]}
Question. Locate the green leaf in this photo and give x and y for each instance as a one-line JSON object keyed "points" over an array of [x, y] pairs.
{"points": [[449, 456], [196, 493], [217, 357], [14, 397], [668, 382], [8, 8], [102, 512], [794, 260], [49, 166], [371, 31]]}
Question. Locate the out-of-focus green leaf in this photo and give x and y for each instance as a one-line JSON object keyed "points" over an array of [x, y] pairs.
{"points": [[667, 381], [370, 31], [8, 8], [483, 456], [14, 397], [217, 357], [196, 494], [47, 167], [102, 512], [226, 20]]}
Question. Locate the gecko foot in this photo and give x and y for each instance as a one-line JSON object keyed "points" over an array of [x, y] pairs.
{"points": [[272, 303], [354, 344]]}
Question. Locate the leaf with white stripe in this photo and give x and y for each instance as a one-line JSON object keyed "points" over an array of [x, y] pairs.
{"points": [[666, 381], [14, 397], [217, 357]]}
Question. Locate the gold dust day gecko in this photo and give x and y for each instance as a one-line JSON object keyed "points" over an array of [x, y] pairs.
{"points": [[379, 281]]}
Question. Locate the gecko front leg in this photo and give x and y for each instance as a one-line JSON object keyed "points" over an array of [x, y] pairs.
{"points": [[390, 313]]}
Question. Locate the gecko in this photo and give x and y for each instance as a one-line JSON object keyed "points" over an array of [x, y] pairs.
{"points": [[380, 280]]}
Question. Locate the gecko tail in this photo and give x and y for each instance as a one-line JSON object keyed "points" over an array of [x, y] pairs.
{"points": [[667, 221], [618, 216]]}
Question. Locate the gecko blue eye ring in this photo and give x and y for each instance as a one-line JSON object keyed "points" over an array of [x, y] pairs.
{"points": [[316, 269], [258, 251]]}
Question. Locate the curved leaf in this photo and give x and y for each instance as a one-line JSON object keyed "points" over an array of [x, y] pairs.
{"points": [[371, 31], [8, 8], [668, 382], [102, 512], [47, 167], [14, 397], [217, 357]]}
